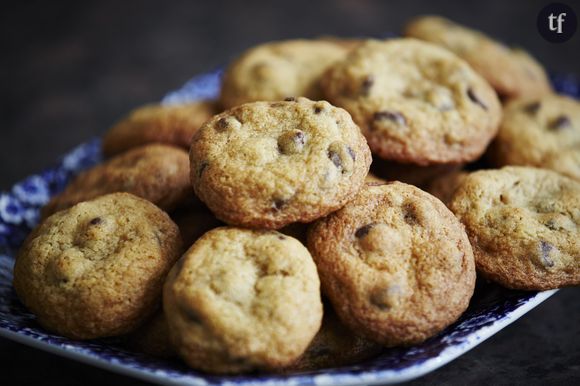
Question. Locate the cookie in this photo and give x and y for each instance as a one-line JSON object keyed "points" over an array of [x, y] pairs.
{"points": [[277, 70], [373, 179], [297, 230], [444, 186], [172, 124], [157, 173], [512, 72], [416, 103], [543, 132], [152, 338], [420, 176], [241, 300], [523, 224], [269, 164], [334, 346], [97, 269], [395, 263], [193, 222]]}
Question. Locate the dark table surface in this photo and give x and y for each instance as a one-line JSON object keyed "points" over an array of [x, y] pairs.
{"points": [[69, 69]]}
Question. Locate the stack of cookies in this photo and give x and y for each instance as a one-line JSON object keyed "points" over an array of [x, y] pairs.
{"points": [[271, 247]]}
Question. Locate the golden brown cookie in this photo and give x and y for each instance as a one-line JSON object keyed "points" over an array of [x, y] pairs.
{"points": [[511, 71], [373, 179], [335, 345], [97, 269], [523, 224], [269, 164], [193, 222], [157, 173], [240, 300], [395, 263], [444, 186], [277, 70], [172, 124], [542, 132], [152, 338], [415, 102], [412, 174]]}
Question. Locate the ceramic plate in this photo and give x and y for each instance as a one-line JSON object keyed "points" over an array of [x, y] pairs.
{"points": [[492, 307]]}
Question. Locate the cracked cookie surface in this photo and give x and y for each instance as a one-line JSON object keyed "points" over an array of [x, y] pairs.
{"points": [[395, 263], [542, 132], [269, 164], [277, 70], [511, 71], [172, 124], [157, 173], [415, 102], [240, 300], [97, 269], [524, 226]]}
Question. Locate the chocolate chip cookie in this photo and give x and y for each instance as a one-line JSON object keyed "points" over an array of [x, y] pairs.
{"points": [[193, 222], [511, 71], [277, 70], [523, 224], [166, 124], [334, 346], [240, 300], [97, 269], [269, 164], [395, 263], [420, 176], [415, 102], [152, 338], [444, 186], [543, 132], [157, 173]]}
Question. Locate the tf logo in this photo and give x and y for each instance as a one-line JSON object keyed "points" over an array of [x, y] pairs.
{"points": [[557, 22]]}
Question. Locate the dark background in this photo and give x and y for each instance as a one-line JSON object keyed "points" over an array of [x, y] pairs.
{"points": [[69, 69]]}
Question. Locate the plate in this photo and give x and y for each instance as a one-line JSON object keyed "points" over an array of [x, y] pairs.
{"points": [[491, 309]]}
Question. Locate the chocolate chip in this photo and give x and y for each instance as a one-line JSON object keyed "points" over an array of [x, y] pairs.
{"points": [[341, 157], [410, 214], [363, 231], [317, 110], [278, 203], [335, 158], [281, 237], [351, 153], [545, 249], [291, 142], [96, 221], [475, 99], [222, 124], [202, 168], [394, 116], [560, 122], [290, 99], [532, 108], [379, 298], [551, 225], [367, 84], [189, 313]]}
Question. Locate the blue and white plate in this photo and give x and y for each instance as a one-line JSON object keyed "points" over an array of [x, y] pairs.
{"points": [[492, 307]]}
